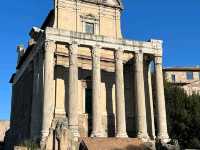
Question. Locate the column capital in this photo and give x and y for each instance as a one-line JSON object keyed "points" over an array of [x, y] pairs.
{"points": [[96, 51], [139, 57], [119, 54], [73, 48], [158, 60], [50, 46]]}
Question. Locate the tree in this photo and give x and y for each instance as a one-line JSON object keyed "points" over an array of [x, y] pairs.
{"points": [[183, 116]]}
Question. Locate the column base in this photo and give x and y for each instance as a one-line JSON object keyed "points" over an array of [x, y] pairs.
{"points": [[43, 139], [163, 138], [44, 135], [122, 135], [144, 137], [98, 134], [75, 132]]}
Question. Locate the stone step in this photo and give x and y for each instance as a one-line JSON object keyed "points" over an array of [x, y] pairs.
{"points": [[111, 144]]}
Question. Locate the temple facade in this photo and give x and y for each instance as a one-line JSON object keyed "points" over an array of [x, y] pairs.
{"points": [[80, 72]]}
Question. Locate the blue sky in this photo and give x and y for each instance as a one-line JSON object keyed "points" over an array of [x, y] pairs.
{"points": [[177, 22]]}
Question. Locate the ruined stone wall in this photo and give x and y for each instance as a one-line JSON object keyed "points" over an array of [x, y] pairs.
{"points": [[21, 107]]}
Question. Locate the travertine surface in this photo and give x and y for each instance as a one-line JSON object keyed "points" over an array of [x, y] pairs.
{"points": [[80, 78], [4, 126], [106, 19], [112, 144], [181, 76]]}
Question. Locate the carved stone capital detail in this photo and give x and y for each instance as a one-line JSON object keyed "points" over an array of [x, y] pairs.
{"points": [[139, 57], [50, 46], [96, 51], [73, 49], [119, 54], [158, 60], [73, 52]]}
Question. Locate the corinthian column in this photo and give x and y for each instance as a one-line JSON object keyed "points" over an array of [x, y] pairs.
{"points": [[96, 100], [73, 89], [149, 99], [140, 98], [120, 100], [49, 100], [160, 98]]}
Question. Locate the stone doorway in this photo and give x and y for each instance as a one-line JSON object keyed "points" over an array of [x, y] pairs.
{"points": [[88, 108]]}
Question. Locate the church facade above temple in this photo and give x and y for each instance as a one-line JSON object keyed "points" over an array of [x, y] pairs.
{"points": [[99, 17]]}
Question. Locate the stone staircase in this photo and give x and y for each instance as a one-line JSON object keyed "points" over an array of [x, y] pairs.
{"points": [[113, 144]]}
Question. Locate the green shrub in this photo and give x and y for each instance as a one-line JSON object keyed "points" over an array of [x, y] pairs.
{"points": [[183, 116], [30, 145]]}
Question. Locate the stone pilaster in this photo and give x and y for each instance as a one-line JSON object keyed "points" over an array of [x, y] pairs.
{"points": [[73, 113], [160, 101], [120, 99], [97, 130], [49, 100], [140, 97]]}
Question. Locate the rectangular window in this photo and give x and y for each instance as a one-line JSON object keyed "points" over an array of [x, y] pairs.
{"points": [[199, 75], [173, 78], [89, 28], [190, 76]]}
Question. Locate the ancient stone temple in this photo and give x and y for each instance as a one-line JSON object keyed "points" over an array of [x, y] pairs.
{"points": [[80, 78]]}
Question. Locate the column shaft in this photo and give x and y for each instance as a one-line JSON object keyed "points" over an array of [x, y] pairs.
{"points": [[140, 97], [120, 99], [96, 96], [160, 98], [149, 100], [73, 113], [49, 100]]}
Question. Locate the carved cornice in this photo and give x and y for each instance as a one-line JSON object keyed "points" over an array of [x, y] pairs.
{"points": [[110, 3], [65, 36]]}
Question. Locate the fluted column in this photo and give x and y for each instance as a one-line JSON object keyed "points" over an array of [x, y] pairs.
{"points": [[120, 100], [73, 89], [49, 100], [160, 98], [97, 130], [140, 97]]}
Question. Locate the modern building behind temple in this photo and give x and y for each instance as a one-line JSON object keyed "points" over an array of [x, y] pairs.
{"points": [[187, 78], [78, 73]]}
